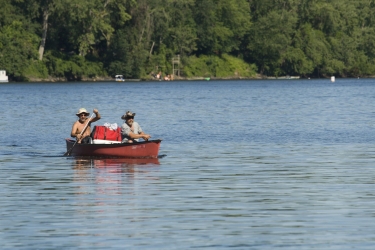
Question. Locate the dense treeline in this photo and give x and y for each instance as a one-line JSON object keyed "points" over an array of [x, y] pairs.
{"points": [[218, 38]]}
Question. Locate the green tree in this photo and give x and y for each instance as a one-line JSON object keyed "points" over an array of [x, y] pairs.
{"points": [[271, 37], [17, 49], [181, 28], [222, 25], [8, 13]]}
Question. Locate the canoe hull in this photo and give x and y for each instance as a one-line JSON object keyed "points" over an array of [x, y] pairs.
{"points": [[147, 149]]}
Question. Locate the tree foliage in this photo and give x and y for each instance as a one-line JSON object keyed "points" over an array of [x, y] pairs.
{"points": [[219, 38], [17, 49]]}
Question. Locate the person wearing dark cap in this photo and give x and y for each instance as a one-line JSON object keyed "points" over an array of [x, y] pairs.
{"points": [[130, 130], [80, 124]]}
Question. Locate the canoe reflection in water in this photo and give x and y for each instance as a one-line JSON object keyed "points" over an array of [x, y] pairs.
{"points": [[81, 163], [99, 182]]}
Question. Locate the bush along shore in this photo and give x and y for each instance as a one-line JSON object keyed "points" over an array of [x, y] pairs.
{"points": [[194, 68]]}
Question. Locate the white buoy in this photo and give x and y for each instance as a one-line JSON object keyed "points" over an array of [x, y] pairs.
{"points": [[332, 79]]}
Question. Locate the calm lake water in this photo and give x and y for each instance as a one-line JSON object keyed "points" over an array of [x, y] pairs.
{"points": [[255, 164]]}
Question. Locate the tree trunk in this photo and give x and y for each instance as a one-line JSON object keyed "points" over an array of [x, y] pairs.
{"points": [[152, 47], [44, 34]]}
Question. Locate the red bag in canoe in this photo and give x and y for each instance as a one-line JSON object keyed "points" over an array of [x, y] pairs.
{"points": [[105, 133]]}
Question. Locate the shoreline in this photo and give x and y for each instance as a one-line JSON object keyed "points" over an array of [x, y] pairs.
{"points": [[110, 79]]}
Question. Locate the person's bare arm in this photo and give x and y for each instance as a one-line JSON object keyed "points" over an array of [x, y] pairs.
{"points": [[142, 135], [97, 116]]}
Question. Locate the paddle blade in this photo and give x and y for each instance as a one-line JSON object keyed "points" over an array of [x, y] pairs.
{"points": [[70, 150]]}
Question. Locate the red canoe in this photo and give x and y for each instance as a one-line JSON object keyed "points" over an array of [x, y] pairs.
{"points": [[144, 149]]}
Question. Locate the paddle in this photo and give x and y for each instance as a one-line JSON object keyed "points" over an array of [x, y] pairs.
{"points": [[70, 150]]}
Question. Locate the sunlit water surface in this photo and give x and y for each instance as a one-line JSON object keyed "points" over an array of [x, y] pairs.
{"points": [[262, 164]]}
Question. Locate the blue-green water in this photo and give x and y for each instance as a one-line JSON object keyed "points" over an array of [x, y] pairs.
{"points": [[257, 164]]}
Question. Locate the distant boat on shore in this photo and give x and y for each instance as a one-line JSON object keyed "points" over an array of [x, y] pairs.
{"points": [[3, 76], [119, 78]]}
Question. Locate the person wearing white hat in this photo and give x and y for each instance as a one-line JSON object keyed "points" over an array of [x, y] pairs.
{"points": [[80, 124], [130, 130]]}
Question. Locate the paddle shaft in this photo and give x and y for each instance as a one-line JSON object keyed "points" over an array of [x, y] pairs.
{"points": [[83, 130]]}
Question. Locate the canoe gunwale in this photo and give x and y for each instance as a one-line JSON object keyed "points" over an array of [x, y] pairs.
{"points": [[143, 149], [114, 145]]}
